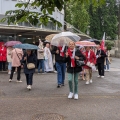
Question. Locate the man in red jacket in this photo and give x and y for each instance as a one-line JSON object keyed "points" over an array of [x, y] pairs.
{"points": [[3, 57], [91, 58]]}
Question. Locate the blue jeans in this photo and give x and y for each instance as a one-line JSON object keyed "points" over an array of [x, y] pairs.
{"points": [[61, 69], [41, 65], [29, 78], [107, 65], [9, 65]]}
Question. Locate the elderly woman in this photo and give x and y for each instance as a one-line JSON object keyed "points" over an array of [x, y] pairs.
{"points": [[73, 69], [29, 58]]}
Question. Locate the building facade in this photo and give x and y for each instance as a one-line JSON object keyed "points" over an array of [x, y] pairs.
{"points": [[42, 31]]}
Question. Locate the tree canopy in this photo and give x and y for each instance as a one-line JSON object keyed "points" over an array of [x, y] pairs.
{"points": [[44, 8]]}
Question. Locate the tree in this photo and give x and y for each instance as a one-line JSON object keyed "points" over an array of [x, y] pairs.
{"points": [[77, 15], [104, 19], [44, 7]]}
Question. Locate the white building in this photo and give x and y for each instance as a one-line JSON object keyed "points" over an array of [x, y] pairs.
{"points": [[26, 29]]}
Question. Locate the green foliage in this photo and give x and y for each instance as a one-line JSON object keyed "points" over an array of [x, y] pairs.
{"points": [[45, 8], [104, 19], [77, 15]]}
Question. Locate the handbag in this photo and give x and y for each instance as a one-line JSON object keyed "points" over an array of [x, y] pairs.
{"points": [[30, 65], [80, 63]]}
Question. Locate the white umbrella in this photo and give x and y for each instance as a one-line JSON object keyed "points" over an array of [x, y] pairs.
{"points": [[64, 38]]}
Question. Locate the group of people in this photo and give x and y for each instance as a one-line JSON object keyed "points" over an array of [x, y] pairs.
{"points": [[65, 57]]}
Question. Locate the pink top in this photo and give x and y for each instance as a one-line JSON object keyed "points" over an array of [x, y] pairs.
{"points": [[15, 59]]}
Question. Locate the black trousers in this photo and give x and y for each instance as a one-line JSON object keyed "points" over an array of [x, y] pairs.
{"points": [[2, 65], [101, 69], [29, 78], [18, 73]]}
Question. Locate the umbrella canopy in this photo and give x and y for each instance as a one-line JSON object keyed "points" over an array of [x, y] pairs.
{"points": [[49, 37], [94, 40], [64, 38], [12, 43], [85, 43], [26, 46]]}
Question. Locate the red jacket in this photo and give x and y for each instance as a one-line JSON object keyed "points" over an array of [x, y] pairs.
{"points": [[91, 59], [3, 54]]}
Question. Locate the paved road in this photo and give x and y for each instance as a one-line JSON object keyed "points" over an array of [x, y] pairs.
{"points": [[97, 101]]}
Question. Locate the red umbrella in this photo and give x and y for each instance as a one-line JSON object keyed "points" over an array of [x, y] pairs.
{"points": [[85, 43], [12, 43]]}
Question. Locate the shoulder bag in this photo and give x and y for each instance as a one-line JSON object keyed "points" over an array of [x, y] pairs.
{"points": [[30, 65]]}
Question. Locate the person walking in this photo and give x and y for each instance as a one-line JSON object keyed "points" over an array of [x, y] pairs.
{"points": [[100, 55], [9, 59], [40, 57], [73, 69], [48, 58], [59, 53], [107, 60], [90, 58], [16, 56], [3, 57], [29, 57]]}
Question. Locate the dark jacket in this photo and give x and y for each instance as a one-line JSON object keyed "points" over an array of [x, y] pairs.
{"points": [[30, 59], [102, 58], [58, 58], [76, 69]]}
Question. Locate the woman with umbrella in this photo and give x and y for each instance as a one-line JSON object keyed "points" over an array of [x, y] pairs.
{"points": [[29, 57], [73, 69], [29, 62]]}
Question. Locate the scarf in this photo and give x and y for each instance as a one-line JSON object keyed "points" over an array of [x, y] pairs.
{"points": [[72, 57], [61, 50]]}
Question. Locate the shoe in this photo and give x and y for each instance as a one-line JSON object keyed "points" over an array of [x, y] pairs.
{"points": [[55, 71], [10, 80], [70, 96], [87, 83], [91, 81], [102, 76], [59, 86], [9, 73], [29, 87], [19, 81], [98, 76], [76, 96]]}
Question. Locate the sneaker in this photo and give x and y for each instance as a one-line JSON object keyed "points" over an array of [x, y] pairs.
{"points": [[76, 96], [98, 76], [102, 76], [59, 86], [19, 81], [87, 83], [10, 80], [29, 87], [9, 73], [91, 81], [55, 71], [70, 96]]}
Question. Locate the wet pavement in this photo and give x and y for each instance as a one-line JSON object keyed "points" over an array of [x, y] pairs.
{"points": [[97, 101]]}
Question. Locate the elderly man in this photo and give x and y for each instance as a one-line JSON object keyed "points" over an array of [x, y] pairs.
{"points": [[100, 55]]}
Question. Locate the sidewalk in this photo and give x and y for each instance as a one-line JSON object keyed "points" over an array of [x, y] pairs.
{"points": [[97, 101]]}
